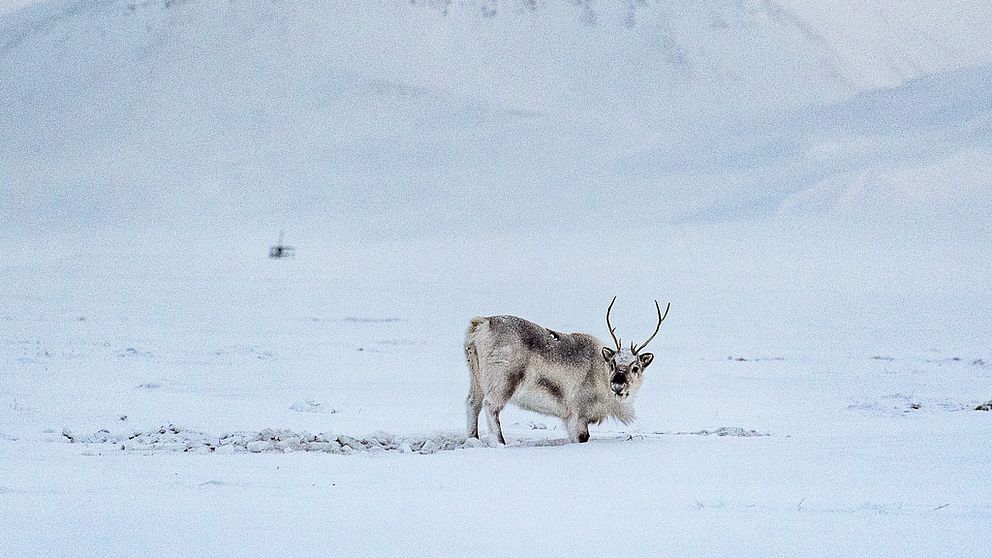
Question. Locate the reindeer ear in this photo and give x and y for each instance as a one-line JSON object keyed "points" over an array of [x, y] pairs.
{"points": [[646, 359], [608, 354]]}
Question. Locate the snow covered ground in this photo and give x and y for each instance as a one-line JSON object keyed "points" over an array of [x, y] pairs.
{"points": [[166, 389], [868, 442]]}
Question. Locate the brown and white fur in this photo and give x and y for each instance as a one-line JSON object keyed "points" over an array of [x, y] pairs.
{"points": [[572, 376]]}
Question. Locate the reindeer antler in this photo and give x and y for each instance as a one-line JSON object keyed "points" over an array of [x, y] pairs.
{"points": [[660, 319], [612, 329]]}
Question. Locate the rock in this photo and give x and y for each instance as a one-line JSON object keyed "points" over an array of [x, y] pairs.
{"points": [[259, 446], [428, 447]]}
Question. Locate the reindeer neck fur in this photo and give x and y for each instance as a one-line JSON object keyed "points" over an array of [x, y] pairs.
{"points": [[605, 404]]}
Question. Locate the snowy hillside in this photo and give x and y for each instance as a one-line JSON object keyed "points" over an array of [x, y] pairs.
{"points": [[883, 44], [809, 184], [128, 116], [296, 109]]}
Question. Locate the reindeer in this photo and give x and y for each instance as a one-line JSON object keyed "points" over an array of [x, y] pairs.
{"points": [[572, 376]]}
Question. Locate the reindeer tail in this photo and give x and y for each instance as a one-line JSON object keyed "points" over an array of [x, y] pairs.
{"points": [[471, 352]]}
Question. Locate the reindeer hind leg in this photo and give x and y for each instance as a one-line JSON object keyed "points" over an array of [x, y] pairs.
{"points": [[492, 413], [498, 394], [473, 406], [473, 403]]}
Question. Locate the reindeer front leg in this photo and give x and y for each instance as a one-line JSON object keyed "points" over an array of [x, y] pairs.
{"points": [[578, 429]]}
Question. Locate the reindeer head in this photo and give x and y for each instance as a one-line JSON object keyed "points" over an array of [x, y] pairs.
{"points": [[627, 365]]}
